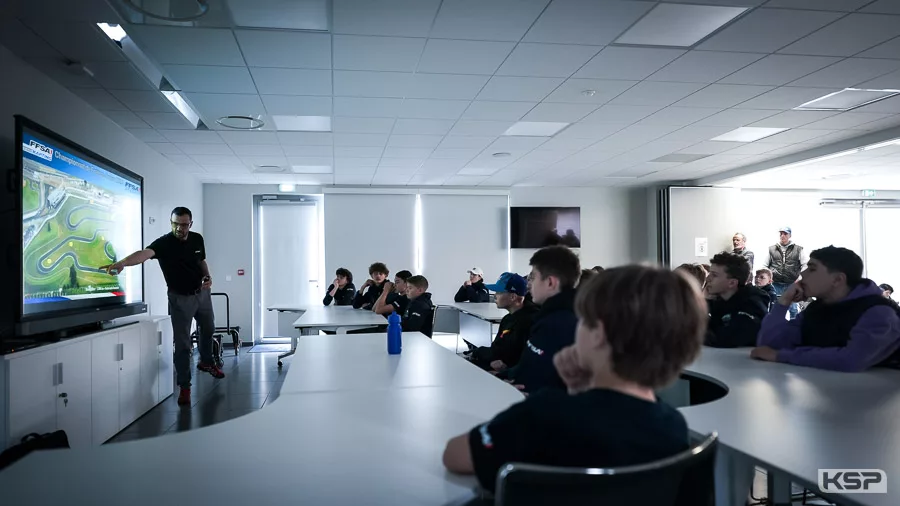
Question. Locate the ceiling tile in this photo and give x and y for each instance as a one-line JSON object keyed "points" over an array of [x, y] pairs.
{"points": [[361, 125], [414, 141], [399, 165], [294, 49], [100, 99], [596, 22], [779, 69], [145, 101], [785, 98], [402, 18], [886, 82], [889, 49], [627, 62], [283, 81], [192, 136], [118, 76], [590, 130], [209, 79], [696, 133], [249, 138], [499, 111], [297, 105], [146, 134], [352, 179], [589, 91], [172, 120], [292, 150], [883, 6], [218, 160], [656, 93], [796, 135], [204, 149], [558, 112], [825, 5], [23, 42], [396, 54], [615, 113], [484, 128], [361, 140], [417, 153], [546, 60], [446, 86], [188, 45], [849, 72], [767, 30], [723, 95], [890, 105], [306, 138], [455, 153], [367, 107], [680, 116], [372, 84], [423, 126], [792, 119], [846, 120], [213, 106], [464, 180], [348, 164], [358, 151], [433, 109], [444, 56], [182, 160], [711, 147], [126, 119], [264, 160], [889, 122], [255, 149], [847, 36], [516, 144], [736, 117], [78, 41], [60, 72], [505, 20], [704, 66], [436, 165], [465, 142], [522, 89]]}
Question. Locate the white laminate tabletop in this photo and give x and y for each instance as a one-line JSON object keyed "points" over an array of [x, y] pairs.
{"points": [[799, 419], [484, 310], [338, 316]]}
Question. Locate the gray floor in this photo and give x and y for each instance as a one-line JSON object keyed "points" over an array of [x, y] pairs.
{"points": [[251, 381]]}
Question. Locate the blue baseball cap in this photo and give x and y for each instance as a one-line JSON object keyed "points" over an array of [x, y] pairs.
{"points": [[786, 230], [510, 282]]}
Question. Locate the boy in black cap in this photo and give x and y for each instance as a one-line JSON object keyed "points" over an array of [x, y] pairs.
{"points": [[515, 327]]}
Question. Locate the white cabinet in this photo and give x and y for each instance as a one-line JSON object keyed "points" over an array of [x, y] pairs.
{"points": [[164, 358], [32, 394], [73, 397], [105, 387], [148, 391], [129, 375]]}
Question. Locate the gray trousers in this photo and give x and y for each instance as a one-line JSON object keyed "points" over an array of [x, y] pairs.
{"points": [[183, 309]]}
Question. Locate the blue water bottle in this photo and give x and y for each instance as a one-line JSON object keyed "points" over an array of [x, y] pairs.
{"points": [[393, 334]]}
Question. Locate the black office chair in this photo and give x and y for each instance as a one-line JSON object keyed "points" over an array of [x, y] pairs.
{"points": [[685, 479]]}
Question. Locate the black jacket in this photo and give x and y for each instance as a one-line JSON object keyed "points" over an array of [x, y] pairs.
{"points": [[476, 292], [342, 297], [735, 322], [419, 315], [552, 330], [367, 301], [515, 328], [770, 291]]}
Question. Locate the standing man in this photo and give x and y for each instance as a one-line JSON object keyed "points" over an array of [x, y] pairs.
{"points": [[182, 258], [786, 261], [740, 248]]}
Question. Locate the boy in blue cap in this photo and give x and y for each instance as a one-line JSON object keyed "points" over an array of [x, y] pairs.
{"points": [[515, 327]]}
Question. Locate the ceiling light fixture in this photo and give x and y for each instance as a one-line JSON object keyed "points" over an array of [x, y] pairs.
{"points": [[535, 128], [113, 31], [846, 99], [183, 107], [239, 122], [748, 134], [286, 187], [311, 169], [202, 7], [268, 169], [302, 123], [589, 93], [678, 25], [502, 154]]}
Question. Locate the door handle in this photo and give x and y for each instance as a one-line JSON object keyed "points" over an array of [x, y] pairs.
{"points": [[60, 377], [55, 374], [159, 337], [120, 355]]}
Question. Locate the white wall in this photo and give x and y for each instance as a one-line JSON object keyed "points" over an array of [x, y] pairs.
{"points": [[26, 91]]}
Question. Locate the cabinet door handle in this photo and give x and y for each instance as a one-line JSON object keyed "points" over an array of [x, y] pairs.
{"points": [[120, 356], [60, 373], [55, 374], [159, 336]]}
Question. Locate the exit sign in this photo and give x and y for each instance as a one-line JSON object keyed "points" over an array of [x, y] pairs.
{"points": [[868, 193]]}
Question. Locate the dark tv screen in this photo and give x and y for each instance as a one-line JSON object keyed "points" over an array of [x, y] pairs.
{"points": [[536, 227]]}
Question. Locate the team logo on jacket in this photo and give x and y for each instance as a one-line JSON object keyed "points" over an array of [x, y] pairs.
{"points": [[534, 348], [502, 334]]}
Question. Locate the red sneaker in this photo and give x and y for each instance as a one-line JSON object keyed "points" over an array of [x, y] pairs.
{"points": [[211, 369], [184, 398]]}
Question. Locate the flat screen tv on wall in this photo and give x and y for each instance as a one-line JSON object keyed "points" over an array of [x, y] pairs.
{"points": [[78, 212], [536, 227]]}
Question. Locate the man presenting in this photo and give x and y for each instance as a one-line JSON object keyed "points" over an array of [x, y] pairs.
{"points": [[786, 261], [182, 258]]}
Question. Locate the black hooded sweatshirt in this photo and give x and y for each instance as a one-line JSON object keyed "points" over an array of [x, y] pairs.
{"points": [[735, 322], [342, 297], [476, 292], [419, 315], [367, 301]]}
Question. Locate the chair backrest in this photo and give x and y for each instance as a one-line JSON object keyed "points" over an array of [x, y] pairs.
{"points": [[685, 479], [446, 319]]}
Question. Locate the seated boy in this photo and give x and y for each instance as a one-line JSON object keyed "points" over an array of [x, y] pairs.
{"points": [[764, 283], [341, 290], [393, 297], [473, 290], [736, 309], [850, 327], [419, 314], [515, 327], [627, 346], [370, 290], [556, 269]]}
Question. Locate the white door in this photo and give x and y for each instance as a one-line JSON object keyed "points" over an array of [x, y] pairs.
{"points": [[289, 260], [73, 399], [166, 366], [148, 392], [129, 375], [881, 246], [104, 387], [32, 394]]}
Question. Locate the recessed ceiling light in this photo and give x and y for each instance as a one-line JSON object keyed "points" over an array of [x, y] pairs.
{"points": [[589, 93], [311, 169], [535, 128], [268, 169], [286, 187], [748, 134], [303, 123], [502, 154], [113, 31], [238, 122], [846, 99], [680, 158], [678, 25]]}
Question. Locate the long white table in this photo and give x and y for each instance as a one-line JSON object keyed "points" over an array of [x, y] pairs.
{"points": [[477, 320], [337, 318]]}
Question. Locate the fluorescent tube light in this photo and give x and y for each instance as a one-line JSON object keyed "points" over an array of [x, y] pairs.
{"points": [[183, 107], [846, 99], [113, 31], [679, 25], [748, 134], [535, 128]]}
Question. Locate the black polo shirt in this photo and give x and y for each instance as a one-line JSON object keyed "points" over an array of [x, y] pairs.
{"points": [[180, 261]]}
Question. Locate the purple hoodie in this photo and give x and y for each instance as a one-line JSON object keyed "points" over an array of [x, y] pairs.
{"points": [[873, 339]]}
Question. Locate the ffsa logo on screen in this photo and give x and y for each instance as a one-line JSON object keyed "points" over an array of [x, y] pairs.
{"points": [[853, 481], [38, 149]]}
